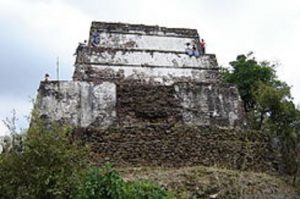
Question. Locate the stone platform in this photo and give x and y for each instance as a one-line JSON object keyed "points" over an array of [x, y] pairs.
{"points": [[131, 74]]}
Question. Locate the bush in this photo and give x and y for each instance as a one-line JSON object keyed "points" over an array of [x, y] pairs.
{"points": [[107, 183], [102, 183], [145, 190], [50, 166]]}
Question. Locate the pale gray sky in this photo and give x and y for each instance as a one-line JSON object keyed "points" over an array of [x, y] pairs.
{"points": [[34, 32]]}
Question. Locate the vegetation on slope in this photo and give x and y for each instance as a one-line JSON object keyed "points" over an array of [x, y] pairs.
{"points": [[269, 106], [201, 182], [52, 166]]}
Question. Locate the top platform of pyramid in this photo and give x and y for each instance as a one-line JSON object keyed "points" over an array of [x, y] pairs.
{"points": [[154, 51]]}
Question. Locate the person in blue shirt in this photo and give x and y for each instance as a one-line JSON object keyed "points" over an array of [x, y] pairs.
{"points": [[95, 38], [189, 50]]}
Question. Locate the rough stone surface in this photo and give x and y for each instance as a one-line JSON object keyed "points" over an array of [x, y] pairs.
{"points": [[177, 145], [164, 76], [140, 29], [193, 103]]}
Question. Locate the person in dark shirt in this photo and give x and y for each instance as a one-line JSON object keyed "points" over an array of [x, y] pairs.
{"points": [[47, 77], [80, 47]]}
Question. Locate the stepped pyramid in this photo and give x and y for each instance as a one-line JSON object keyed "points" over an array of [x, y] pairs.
{"points": [[137, 74], [139, 100]]}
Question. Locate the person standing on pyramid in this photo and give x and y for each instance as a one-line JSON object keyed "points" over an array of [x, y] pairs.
{"points": [[202, 46]]}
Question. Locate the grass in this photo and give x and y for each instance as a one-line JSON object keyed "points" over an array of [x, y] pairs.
{"points": [[200, 182]]}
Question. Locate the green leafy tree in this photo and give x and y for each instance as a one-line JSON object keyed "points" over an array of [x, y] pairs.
{"points": [[53, 165], [50, 165], [269, 101], [247, 73], [268, 104]]}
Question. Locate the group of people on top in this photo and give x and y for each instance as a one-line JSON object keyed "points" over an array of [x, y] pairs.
{"points": [[192, 50]]}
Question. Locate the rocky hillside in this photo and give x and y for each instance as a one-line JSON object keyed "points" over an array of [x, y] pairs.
{"points": [[201, 182]]}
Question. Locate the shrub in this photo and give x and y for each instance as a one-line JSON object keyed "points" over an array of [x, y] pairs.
{"points": [[106, 183], [50, 166], [102, 183], [145, 190]]}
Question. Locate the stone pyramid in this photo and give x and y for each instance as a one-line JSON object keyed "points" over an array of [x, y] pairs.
{"points": [[130, 74]]}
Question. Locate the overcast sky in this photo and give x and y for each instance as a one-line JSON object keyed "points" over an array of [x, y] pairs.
{"points": [[34, 32]]}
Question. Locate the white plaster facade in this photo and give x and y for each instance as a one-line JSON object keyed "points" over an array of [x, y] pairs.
{"points": [[144, 58], [142, 41], [78, 103], [165, 76]]}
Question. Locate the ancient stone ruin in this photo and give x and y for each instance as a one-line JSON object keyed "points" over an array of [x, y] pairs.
{"points": [[138, 99], [137, 74]]}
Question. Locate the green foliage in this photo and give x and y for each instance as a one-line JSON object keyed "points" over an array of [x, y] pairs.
{"points": [[107, 183], [50, 166], [102, 183], [265, 97], [270, 100], [246, 73], [268, 104], [145, 190]]}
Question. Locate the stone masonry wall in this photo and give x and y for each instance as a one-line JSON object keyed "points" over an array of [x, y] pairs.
{"points": [[77, 103], [110, 102], [146, 103], [177, 145], [123, 28], [192, 103]]}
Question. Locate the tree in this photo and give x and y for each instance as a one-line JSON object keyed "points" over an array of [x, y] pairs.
{"points": [[268, 104], [246, 73], [269, 101], [50, 165], [53, 165]]}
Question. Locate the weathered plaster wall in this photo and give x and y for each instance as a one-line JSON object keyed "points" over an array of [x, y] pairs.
{"points": [[164, 76], [210, 104], [178, 145], [123, 28], [78, 103], [144, 41], [130, 102], [148, 58]]}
